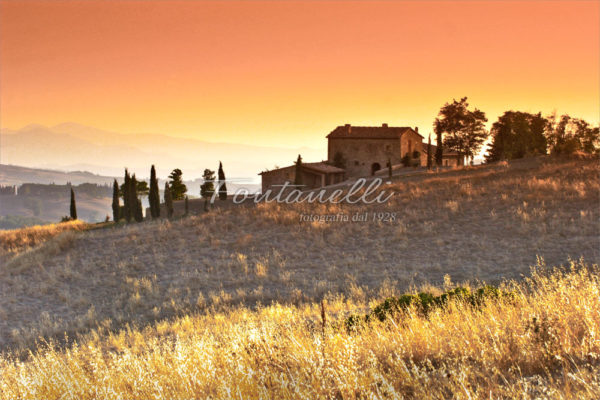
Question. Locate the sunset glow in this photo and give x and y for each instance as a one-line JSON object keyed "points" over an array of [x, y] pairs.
{"points": [[287, 73]]}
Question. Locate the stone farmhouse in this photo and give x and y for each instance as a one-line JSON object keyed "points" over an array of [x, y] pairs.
{"points": [[359, 151], [367, 149]]}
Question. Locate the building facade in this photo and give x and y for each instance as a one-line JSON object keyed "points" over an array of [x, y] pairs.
{"points": [[314, 175], [363, 150]]}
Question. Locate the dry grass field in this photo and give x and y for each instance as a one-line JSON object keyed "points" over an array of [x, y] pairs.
{"points": [[212, 271]]}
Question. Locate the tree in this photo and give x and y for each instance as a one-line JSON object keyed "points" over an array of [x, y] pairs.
{"points": [[153, 195], [463, 129], [298, 178], [429, 155], [516, 135], [567, 135], [139, 212], [439, 149], [126, 197], [178, 188], [168, 200], [207, 188], [187, 206], [142, 188], [115, 202], [133, 198], [222, 185], [73, 206], [339, 160]]}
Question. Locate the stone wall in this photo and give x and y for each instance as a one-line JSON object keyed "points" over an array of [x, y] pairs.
{"points": [[278, 177], [362, 155]]}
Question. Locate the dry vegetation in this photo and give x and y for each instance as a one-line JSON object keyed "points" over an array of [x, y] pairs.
{"points": [[16, 241], [543, 343], [487, 223]]}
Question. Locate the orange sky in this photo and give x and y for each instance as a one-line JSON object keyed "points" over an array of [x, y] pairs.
{"points": [[286, 73]]}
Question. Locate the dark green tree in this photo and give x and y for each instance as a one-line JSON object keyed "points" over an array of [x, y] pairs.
{"points": [[178, 188], [222, 185], [187, 206], [208, 187], [439, 148], [339, 160], [153, 195], [127, 208], [463, 129], [142, 188], [567, 135], [298, 178], [133, 198], [517, 134], [168, 200], [429, 155], [139, 212], [73, 206], [115, 202]]}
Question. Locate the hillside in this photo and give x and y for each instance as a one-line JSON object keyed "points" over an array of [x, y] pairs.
{"points": [[541, 342], [483, 223]]}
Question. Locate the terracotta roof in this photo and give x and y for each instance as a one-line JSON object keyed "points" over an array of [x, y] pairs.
{"points": [[321, 167], [444, 153], [369, 132]]}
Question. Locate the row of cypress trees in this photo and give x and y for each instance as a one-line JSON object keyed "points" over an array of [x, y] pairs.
{"points": [[132, 206]]}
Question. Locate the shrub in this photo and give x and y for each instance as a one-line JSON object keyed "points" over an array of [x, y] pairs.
{"points": [[425, 302], [406, 161]]}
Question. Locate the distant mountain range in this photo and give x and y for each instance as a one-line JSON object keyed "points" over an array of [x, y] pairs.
{"points": [[71, 146]]}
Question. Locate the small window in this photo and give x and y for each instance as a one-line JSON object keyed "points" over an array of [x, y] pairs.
{"points": [[388, 147], [355, 162]]}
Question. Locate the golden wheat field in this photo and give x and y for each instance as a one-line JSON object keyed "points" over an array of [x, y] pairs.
{"points": [[544, 343], [227, 304]]}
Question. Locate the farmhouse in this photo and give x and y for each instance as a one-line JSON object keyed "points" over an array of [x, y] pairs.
{"points": [[358, 151], [362, 150], [314, 175]]}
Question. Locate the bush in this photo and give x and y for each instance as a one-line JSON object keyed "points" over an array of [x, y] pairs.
{"points": [[406, 161], [425, 302]]}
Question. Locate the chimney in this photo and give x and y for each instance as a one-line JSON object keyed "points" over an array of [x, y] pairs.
{"points": [[349, 127], [384, 125], [417, 129]]}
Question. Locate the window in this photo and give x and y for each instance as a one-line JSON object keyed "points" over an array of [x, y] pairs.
{"points": [[355, 162]]}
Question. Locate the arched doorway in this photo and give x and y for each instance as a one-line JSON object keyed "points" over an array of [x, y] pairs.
{"points": [[375, 167]]}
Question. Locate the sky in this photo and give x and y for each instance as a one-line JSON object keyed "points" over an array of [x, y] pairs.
{"points": [[287, 73]]}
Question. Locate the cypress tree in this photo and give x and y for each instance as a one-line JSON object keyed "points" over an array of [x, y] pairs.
{"points": [[439, 151], [73, 206], [153, 196], [298, 179], [168, 200], [222, 185], [126, 196], [115, 202], [139, 213], [187, 206], [134, 202], [429, 158]]}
